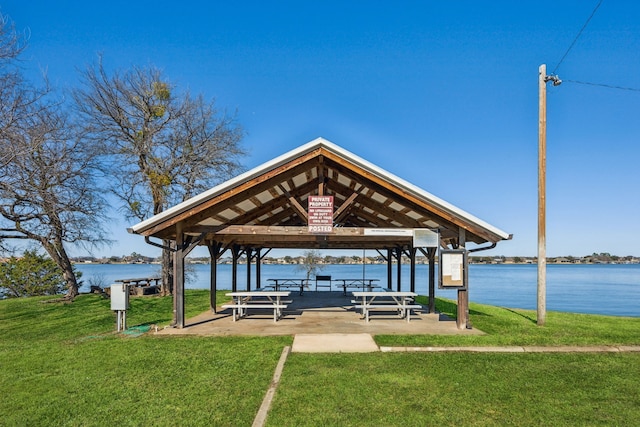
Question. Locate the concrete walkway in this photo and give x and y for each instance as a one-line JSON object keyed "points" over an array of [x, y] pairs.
{"points": [[364, 343], [334, 343], [523, 349]]}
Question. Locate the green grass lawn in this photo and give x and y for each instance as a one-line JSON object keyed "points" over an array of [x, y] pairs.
{"points": [[505, 326], [458, 389], [63, 365]]}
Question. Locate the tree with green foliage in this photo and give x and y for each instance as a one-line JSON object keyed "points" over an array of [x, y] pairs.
{"points": [[30, 275]]}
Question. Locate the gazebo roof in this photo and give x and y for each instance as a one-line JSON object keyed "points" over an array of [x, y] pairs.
{"points": [[267, 206]]}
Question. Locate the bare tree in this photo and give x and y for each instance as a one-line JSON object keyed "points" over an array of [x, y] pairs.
{"points": [[48, 192], [16, 96], [11, 93], [311, 262], [165, 147], [47, 189]]}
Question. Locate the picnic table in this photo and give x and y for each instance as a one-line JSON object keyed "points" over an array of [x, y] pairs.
{"points": [[356, 283], [141, 285], [403, 302], [242, 301], [289, 283]]}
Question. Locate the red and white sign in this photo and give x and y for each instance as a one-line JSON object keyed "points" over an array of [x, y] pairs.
{"points": [[320, 214]]}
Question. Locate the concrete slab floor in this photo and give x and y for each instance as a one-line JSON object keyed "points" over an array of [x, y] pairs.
{"points": [[319, 313]]}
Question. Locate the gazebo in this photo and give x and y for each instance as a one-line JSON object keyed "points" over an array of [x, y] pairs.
{"points": [[283, 204]]}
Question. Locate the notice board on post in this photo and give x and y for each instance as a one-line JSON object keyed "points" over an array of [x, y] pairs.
{"points": [[452, 265]]}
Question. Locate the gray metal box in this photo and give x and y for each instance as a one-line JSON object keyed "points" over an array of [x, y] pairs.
{"points": [[119, 297]]}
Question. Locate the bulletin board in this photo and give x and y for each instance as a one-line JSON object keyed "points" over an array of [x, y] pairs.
{"points": [[452, 265]]}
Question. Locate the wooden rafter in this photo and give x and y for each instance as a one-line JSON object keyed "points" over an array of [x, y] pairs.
{"points": [[321, 176], [246, 189], [302, 213], [342, 210], [356, 172], [281, 236], [362, 198]]}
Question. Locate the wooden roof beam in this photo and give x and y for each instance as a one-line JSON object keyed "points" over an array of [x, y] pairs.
{"points": [[409, 203], [245, 193], [380, 208], [279, 200], [247, 189], [321, 175], [342, 211], [294, 203], [353, 171]]}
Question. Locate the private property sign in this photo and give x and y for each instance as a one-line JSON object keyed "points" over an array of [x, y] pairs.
{"points": [[320, 214]]}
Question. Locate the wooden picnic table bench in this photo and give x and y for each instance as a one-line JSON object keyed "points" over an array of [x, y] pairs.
{"points": [[141, 281], [242, 301], [356, 283], [142, 285], [401, 301], [290, 283]]}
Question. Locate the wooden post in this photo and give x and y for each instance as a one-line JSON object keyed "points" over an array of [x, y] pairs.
{"points": [[462, 320], [258, 264], [432, 279], [249, 253], [235, 254], [412, 252], [178, 278], [389, 268], [399, 272], [542, 205], [214, 251]]}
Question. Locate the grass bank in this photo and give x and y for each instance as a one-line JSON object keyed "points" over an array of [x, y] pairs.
{"points": [[506, 326], [63, 365]]}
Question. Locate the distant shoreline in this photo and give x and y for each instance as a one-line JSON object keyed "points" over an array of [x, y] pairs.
{"points": [[241, 262]]}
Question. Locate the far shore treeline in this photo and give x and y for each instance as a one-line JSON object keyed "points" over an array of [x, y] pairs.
{"points": [[595, 258]]}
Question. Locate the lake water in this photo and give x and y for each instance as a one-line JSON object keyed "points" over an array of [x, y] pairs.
{"points": [[596, 289]]}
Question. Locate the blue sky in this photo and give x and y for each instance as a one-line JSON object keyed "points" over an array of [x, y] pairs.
{"points": [[442, 94]]}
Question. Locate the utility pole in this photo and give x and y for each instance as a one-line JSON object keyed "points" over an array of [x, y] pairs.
{"points": [[542, 190]]}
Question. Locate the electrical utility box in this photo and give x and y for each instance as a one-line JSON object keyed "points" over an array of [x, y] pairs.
{"points": [[120, 304], [119, 297]]}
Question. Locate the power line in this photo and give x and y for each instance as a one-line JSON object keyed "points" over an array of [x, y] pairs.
{"points": [[577, 37], [603, 85], [553, 74]]}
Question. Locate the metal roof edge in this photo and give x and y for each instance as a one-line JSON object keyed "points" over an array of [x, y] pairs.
{"points": [[301, 150]]}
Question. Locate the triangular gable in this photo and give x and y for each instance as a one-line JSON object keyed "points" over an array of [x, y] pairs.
{"points": [[273, 197]]}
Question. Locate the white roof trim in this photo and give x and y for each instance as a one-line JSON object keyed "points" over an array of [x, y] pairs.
{"points": [[303, 149]]}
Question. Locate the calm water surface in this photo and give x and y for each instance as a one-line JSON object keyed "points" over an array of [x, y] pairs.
{"points": [[596, 289]]}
